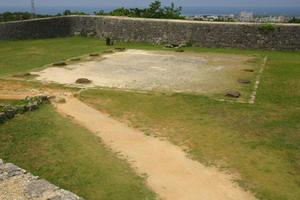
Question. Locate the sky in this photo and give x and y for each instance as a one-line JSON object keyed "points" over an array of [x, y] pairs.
{"points": [[142, 3]]}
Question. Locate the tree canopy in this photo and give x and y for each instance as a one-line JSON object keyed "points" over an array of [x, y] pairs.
{"points": [[155, 10]]}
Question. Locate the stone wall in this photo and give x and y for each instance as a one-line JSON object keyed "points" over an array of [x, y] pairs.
{"points": [[16, 183], [157, 31], [37, 28]]}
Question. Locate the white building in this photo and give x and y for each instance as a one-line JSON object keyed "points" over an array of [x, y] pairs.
{"points": [[246, 16]]}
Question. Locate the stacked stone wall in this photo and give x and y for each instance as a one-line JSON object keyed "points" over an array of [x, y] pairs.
{"points": [[158, 31], [16, 183]]}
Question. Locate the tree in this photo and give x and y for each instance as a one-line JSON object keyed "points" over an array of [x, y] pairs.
{"points": [[101, 12], [67, 12], [172, 12], [294, 20], [155, 10]]}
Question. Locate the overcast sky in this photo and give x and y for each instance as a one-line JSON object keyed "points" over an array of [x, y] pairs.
{"points": [[140, 3]]}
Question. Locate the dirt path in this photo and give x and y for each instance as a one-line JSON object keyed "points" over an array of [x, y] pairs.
{"points": [[170, 173]]}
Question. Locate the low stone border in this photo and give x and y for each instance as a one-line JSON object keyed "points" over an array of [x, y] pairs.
{"points": [[27, 104], [16, 183], [253, 95]]}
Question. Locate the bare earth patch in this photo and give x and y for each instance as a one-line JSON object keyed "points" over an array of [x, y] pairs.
{"points": [[171, 174], [203, 73]]}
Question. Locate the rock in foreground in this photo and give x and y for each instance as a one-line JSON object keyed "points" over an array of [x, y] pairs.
{"points": [[16, 183]]}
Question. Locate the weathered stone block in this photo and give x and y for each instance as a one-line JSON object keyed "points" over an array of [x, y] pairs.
{"points": [[83, 81], [235, 94]]}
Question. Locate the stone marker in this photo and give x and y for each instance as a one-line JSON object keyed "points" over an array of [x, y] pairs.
{"points": [[83, 81], [22, 74], [60, 64], [94, 54], [120, 48], [75, 59], [179, 50], [248, 70], [244, 81], [234, 94]]}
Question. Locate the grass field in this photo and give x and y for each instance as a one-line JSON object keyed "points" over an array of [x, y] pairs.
{"points": [[20, 56], [69, 156], [260, 143]]}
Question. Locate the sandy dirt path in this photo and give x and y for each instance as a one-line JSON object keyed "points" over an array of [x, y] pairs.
{"points": [[171, 174]]}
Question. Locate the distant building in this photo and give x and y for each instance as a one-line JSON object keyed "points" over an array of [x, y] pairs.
{"points": [[281, 19], [272, 19], [245, 16]]}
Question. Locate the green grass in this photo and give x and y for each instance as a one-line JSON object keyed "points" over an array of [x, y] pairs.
{"points": [[260, 142], [69, 156], [21, 56], [9, 102]]}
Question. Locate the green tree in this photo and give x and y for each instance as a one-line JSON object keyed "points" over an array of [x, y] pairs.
{"points": [[172, 12], [67, 12], [155, 10], [294, 20]]}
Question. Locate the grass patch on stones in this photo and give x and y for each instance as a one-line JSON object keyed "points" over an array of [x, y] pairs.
{"points": [[69, 156]]}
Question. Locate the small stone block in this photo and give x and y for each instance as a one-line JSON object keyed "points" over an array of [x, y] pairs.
{"points": [[234, 94], [75, 59], [244, 81], [120, 48], [59, 64], [94, 54], [248, 70], [83, 81]]}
